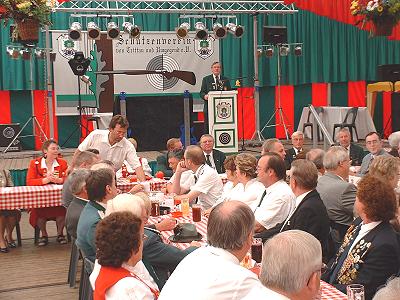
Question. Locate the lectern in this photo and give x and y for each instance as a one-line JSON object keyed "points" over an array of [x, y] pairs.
{"points": [[222, 120]]}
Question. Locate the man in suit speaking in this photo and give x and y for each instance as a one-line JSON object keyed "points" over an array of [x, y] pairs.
{"points": [[213, 82]]}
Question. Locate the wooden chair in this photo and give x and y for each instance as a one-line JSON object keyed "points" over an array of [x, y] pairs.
{"points": [[347, 123]]}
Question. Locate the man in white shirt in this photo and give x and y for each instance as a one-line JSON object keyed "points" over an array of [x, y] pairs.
{"points": [[187, 178], [113, 145], [214, 272], [278, 200], [293, 273], [208, 185]]}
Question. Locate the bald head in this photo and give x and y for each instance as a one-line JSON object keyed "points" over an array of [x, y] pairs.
{"points": [[229, 226]]}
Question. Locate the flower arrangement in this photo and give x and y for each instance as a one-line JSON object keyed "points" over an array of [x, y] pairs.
{"points": [[28, 15], [384, 13]]}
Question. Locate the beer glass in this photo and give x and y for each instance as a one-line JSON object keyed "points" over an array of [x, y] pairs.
{"points": [[355, 292]]}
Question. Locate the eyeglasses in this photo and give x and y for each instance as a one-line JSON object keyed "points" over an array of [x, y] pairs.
{"points": [[372, 142]]}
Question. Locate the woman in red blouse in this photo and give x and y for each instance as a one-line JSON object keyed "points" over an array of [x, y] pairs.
{"points": [[48, 169]]}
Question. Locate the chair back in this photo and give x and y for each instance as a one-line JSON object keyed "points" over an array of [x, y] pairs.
{"points": [[351, 113], [318, 109]]}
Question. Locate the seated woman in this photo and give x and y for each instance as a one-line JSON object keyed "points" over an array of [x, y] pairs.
{"points": [[8, 218], [119, 272], [48, 169], [127, 168], [370, 252], [246, 165]]}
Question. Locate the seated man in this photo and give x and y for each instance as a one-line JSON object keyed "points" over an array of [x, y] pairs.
{"points": [[187, 178], [356, 152], [214, 272], [214, 158], [375, 148], [101, 187], [278, 200], [310, 213], [275, 146], [337, 194], [80, 198], [143, 162], [208, 185], [162, 160], [293, 273], [297, 142], [316, 156]]}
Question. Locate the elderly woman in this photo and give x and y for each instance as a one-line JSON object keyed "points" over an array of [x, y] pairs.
{"points": [[386, 168], [246, 165], [48, 169], [370, 252], [119, 272], [8, 218]]}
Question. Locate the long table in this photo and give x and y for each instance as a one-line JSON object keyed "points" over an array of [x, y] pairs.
{"points": [[328, 291], [24, 197]]}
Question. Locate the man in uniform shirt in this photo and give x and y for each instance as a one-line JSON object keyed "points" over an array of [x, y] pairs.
{"points": [[113, 145]]}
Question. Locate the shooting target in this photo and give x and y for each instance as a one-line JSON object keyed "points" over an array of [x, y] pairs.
{"points": [[162, 62], [224, 138]]}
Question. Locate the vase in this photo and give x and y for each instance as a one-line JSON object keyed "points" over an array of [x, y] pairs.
{"points": [[382, 28], [28, 29]]}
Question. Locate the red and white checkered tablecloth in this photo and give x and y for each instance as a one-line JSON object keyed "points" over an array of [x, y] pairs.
{"points": [[156, 184], [328, 291], [30, 196]]}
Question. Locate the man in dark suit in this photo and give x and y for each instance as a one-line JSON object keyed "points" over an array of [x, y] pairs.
{"points": [[356, 152], [370, 252], [214, 158], [309, 213], [213, 82], [297, 149]]}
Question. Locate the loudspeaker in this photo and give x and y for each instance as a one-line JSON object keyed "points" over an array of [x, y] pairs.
{"points": [[7, 134], [388, 73], [275, 35]]}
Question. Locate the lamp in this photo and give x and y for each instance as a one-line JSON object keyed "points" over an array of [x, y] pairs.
{"points": [[259, 52], [284, 50], [234, 29], [79, 64], [183, 30], [201, 31], [74, 32], [40, 54], [112, 30], [298, 51], [269, 51], [93, 31], [219, 31], [25, 54]]}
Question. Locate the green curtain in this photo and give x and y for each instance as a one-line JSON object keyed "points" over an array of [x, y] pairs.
{"points": [[332, 51]]}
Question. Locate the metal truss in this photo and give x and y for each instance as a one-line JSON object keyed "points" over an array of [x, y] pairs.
{"points": [[175, 6]]}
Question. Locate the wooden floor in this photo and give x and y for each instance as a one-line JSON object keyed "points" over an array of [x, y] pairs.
{"points": [[31, 272]]}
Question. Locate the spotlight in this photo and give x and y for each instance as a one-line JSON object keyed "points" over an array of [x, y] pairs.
{"points": [[234, 29], [298, 51], [259, 52], [269, 51], [201, 31], [183, 30], [112, 30], [93, 31], [25, 54], [13, 53], [74, 31], [284, 50], [132, 30], [219, 31], [79, 64], [40, 54]]}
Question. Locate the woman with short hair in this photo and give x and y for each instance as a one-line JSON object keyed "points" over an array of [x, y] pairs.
{"points": [[119, 272]]}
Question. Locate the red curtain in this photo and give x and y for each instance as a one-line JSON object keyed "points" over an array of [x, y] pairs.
{"points": [[287, 102], [247, 115], [338, 10], [356, 93], [5, 115], [319, 93], [387, 113]]}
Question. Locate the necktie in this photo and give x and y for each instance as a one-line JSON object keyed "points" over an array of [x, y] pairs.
{"points": [[208, 161], [217, 82], [261, 200], [343, 256], [195, 180]]}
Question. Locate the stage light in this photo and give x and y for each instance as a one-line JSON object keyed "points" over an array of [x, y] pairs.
{"points": [[40, 54], [25, 54], [219, 31], [79, 64], [183, 30], [259, 52], [298, 51], [93, 31], [284, 50], [234, 29], [74, 32], [13, 52], [201, 31], [269, 51], [112, 30], [132, 30]]}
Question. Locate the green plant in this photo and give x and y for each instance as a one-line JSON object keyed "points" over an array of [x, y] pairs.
{"points": [[20, 10]]}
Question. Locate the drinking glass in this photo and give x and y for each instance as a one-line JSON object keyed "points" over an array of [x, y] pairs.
{"points": [[185, 206], [355, 292], [196, 212], [257, 249]]}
